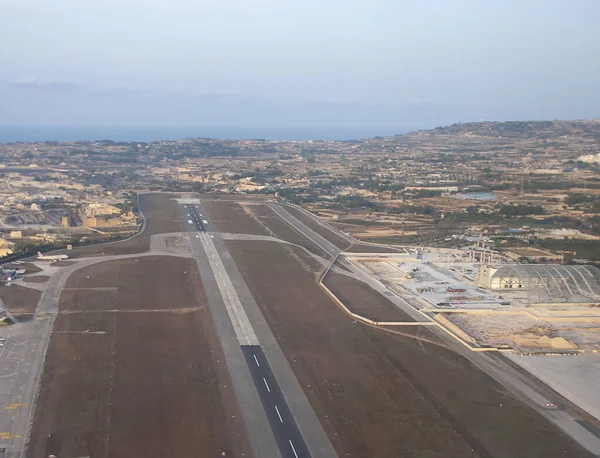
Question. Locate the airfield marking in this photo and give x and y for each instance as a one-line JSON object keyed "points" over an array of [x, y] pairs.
{"points": [[293, 449], [278, 414]]}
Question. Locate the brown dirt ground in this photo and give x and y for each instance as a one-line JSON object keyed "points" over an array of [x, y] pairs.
{"points": [[319, 229], [36, 279], [20, 300], [309, 263], [362, 299], [283, 230], [162, 215], [229, 216], [232, 217], [151, 383], [30, 268], [384, 395]]}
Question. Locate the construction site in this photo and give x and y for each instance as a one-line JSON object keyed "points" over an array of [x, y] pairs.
{"points": [[489, 303]]}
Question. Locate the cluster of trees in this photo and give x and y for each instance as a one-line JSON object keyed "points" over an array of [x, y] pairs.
{"points": [[575, 199], [417, 209], [130, 204], [423, 193], [351, 202], [590, 203], [541, 185], [521, 210]]}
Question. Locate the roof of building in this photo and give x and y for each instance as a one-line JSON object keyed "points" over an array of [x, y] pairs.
{"points": [[557, 280]]}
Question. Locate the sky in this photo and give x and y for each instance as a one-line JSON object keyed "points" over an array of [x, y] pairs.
{"points": [[385, 65]]}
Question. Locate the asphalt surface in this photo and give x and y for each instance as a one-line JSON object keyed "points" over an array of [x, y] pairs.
{"points": [[278, 417], [306, 231], [282, 423]]}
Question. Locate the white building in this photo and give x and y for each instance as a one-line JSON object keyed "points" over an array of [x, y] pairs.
{"points": [[553, 281]]}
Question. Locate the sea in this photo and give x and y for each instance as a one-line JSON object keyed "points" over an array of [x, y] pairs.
{"points": [[9, 134]]}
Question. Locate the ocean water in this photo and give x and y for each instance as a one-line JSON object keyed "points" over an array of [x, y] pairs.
{"points": [[149, 134]]}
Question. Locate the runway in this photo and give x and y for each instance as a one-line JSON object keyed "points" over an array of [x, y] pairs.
{"points": [[272, 426], [282, 423]]}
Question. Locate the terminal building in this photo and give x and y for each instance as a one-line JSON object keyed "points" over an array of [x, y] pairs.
{"points": [[549, 282]]}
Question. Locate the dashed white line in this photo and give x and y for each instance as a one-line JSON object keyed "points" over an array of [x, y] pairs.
{"points": [[266, 384], [293, 449], [256, 359], [278, 414]]}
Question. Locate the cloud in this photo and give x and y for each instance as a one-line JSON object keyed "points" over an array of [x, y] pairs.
{"points": [[34, 84]]}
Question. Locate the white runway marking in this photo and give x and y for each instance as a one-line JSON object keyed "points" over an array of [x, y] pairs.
{"points": [[266, 384], [256, 359], [278, 414], [241, 324], [293, 449]]}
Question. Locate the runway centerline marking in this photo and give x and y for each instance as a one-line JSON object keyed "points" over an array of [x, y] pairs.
{"points": [[278, 414], [266, 384], [256, 359], [293, 448]]}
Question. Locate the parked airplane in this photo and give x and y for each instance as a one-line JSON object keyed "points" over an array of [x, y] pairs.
{"points": [[55, 257]]}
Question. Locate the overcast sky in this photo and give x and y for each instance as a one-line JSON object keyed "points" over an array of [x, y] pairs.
{"points": [[391, 64]]}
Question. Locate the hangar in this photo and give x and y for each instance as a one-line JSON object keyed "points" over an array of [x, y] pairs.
{"points": [[552, 281]]}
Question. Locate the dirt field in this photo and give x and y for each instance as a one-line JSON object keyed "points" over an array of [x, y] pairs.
{"points": [[319, 229], [20, 300], [283, 230], [162, 214], [136, 368], [37, 279], [229, 216], [384, 395], [362, 299]]}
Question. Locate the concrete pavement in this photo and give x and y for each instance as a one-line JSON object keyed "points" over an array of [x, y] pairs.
{"points": [[295, 431]]}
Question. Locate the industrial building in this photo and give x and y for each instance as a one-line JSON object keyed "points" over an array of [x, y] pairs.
{"points": [[570, 283]]}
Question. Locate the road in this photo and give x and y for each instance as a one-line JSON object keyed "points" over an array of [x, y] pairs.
{"points": [[278, 417]]}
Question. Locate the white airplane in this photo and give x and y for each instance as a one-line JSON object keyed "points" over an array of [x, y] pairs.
{"points": [[55, 257]]}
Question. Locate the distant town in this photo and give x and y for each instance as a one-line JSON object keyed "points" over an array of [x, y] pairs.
{"points": [[504, 185]]}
